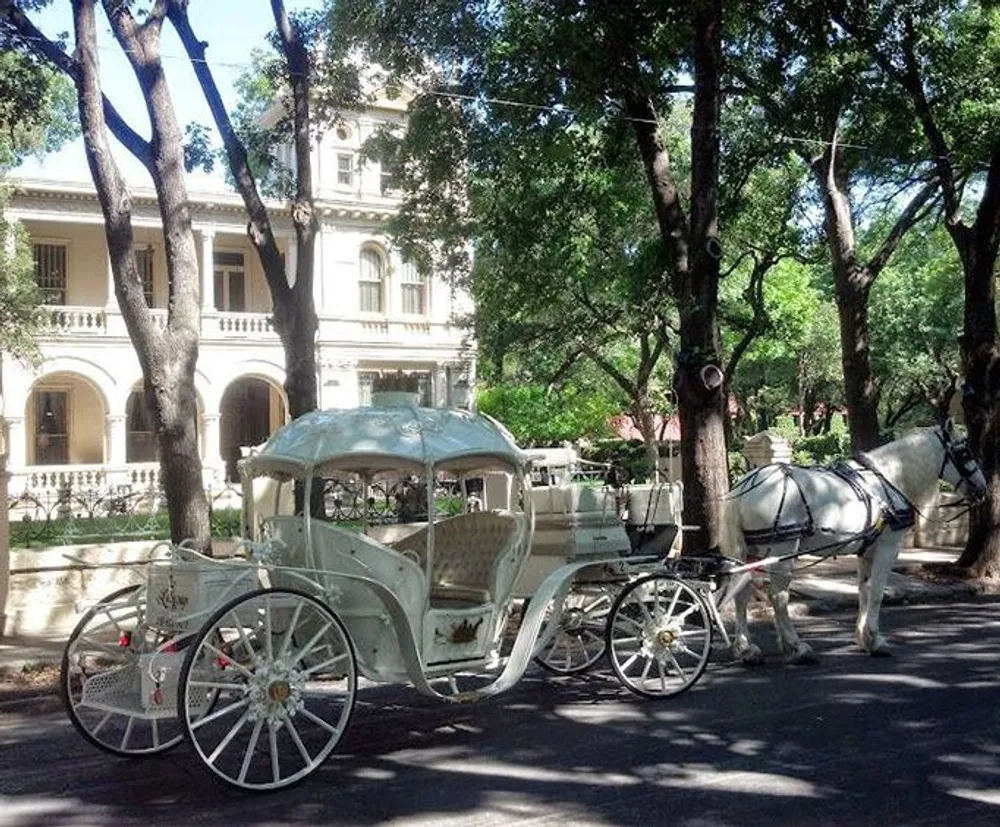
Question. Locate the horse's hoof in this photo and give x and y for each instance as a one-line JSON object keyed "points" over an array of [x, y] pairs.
{"points": [[804, 657], [880, 651], [751, 656]]}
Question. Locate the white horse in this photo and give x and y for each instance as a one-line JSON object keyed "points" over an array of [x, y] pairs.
{"points": [[862, 507]]}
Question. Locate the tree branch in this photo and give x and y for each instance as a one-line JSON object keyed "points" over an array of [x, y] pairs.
{"points": [[914, 211], [37, 42], [260, 231]]}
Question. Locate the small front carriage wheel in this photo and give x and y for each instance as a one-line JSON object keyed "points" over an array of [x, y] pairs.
{"points": [[577, 642], [659, 636], [107, 697], [267, 689]]}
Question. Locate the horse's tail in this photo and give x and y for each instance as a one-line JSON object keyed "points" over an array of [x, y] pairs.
{"points": [[731, 540]]}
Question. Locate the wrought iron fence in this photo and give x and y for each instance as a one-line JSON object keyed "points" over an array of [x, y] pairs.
{"points": [[72, 516]]}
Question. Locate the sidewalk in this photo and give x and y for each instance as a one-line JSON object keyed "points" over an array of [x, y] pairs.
{"points": [[827, 586]]}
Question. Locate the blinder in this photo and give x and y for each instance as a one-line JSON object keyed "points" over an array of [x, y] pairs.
{"points": [[958, 452]]}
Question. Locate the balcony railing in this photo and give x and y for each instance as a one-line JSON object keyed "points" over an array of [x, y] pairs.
{"points": [[245, 325], [78, 320], [45, 479]]}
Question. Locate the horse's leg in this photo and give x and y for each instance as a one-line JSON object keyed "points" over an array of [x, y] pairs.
{"points": [[873, 572], [744, 649], [796, 649]]}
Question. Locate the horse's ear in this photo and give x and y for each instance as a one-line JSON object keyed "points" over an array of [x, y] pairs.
{"points": [[948, 427]]}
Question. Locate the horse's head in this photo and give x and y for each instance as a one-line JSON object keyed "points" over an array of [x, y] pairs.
{"points": [[958, 465]]}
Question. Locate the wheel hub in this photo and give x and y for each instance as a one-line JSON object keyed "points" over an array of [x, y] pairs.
{"points": [[572, 620], [274, 691], [659, 638]]}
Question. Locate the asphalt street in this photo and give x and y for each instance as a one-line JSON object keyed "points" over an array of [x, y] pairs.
{"points": [[910, 740]]}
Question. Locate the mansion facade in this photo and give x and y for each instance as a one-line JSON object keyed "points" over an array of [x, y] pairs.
{"points": [[78, 419]]}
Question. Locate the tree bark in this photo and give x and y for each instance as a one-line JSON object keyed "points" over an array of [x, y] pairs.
{"points": [[294, 307], [694, 252], [167, 357]]}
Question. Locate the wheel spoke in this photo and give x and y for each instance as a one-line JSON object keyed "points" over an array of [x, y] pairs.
{"points": [[229, 737], [268, 643], [216, 684], [332, 661], [243, 637], [251, 746], [630, 661], [227, 659], [290, 724], [305, 650], [272, 738], [128, 732], [101, 723], [287, 640], [219, 713], [319, 721]]}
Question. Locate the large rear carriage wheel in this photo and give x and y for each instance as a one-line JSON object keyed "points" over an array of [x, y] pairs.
{"points": [[279, 669], [102, 683], [659, 636]]}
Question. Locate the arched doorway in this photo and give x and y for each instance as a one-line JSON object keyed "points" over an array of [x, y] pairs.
{"points": [[140, 438], [251, 410], [65, 421]]}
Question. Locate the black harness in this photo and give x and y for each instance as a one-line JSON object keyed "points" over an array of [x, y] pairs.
{"points": [[885, 505]]}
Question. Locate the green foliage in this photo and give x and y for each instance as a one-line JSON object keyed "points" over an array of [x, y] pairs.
{"points": [[629, 456], [539, 416], [37, 108], [21, 314], [821, 449], [916, 319]]}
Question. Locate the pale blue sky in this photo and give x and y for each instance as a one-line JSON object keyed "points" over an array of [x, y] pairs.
{"points": [[232, 29]]}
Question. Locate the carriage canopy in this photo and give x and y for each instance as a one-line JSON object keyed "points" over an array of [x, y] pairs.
{"points": [[372, 441]]}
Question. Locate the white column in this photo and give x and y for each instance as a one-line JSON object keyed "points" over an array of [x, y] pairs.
{"points": [[111, 302], [117, 454], [4, 544], [440, 389], [207, 271], [17, 446], [292, 258], [212, 454], [318, 273]]}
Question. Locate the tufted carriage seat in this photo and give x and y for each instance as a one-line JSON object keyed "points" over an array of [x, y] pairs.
{"points": [[474, 556]]}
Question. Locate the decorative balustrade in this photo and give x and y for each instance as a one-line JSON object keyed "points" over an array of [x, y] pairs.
{"points": [[245, 325], [78, 320]]}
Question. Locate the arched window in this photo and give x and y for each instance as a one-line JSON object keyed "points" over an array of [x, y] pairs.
{"points": [[372, 281], [414, 287]]}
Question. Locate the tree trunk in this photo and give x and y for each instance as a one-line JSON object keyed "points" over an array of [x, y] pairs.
{"points": [[294, 307], [167, 358], [852, 282], [981, 405], [694, 252], [643, 414]]}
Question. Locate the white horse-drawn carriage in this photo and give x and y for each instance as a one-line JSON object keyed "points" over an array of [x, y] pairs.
{"points": [[257, 660]]}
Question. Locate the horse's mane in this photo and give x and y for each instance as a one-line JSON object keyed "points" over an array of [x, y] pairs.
{"points": [[912, 462]]}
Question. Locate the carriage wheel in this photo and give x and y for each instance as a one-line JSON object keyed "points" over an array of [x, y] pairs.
{"points": [[659, 636], [578, 640], [283, 668], [101, 679]]}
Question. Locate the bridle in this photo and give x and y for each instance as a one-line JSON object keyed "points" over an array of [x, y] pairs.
{"points": [[957, 452]]}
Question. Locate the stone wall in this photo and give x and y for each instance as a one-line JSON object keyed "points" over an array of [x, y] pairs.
{"points": [[49, 588]]}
